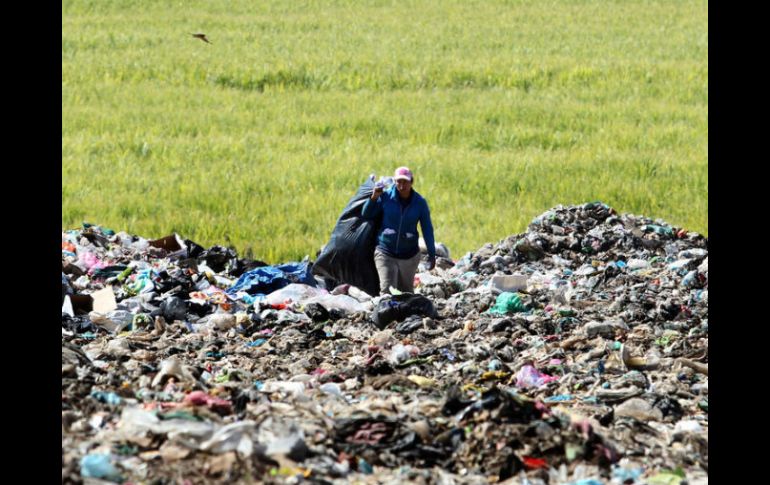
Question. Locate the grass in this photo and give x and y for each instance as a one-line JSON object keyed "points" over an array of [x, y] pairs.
{"points": [[502, 109]]}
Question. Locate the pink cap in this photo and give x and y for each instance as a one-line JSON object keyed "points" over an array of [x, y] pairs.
{"points": [[403, 173]]}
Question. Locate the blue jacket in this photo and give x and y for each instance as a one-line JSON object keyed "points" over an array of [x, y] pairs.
{"points": [[398, 235]]}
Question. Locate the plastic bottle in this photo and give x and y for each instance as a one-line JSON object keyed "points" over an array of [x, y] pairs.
{"points": [[382, 183]]}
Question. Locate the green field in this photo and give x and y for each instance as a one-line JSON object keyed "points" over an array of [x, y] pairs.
{"points": [[503, 109]]}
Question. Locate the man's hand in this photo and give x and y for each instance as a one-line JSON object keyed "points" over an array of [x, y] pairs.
{"points": [[431, 262], [377, 192]]}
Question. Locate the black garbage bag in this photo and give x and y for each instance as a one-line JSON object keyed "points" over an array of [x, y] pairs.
{"points": [[349, 255], [174, 308], [193, 249], [243, 265], [316, 312], [399, 307], [412, 323], [78, 324], [66, 288], [180, 283], [218, 257]]}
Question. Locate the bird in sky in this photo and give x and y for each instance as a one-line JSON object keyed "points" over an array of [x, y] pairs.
{"points": [[202, 37]]}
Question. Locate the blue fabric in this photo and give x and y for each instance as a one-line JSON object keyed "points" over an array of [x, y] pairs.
{"points": [[398, 236], [267, 279]]}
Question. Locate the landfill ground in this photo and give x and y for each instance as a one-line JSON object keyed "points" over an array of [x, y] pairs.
{"points": [[574, 353]]}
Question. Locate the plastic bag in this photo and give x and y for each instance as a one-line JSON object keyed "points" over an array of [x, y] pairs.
{"points": [[174, 308], [138, 426], [218, 258], [401, 353], [282, 438], [88, 261], [295, 292], [349, 255], [508, 283], [507, 303], [267, 279], [99, 466], [344, 303], [232, 437], [114, 321], [528, 376], [399, 307]]}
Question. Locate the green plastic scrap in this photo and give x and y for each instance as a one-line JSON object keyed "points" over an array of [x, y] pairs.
{"points": [[667, 477], [507, 303], [662, 230], [224, 377], [122, 276], [572, 451], [141, 320], [596, 203], [186, 415], [125, 449], [663, 341]]}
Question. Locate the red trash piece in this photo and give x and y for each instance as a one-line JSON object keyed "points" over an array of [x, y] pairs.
{"points": [[533, 463]]}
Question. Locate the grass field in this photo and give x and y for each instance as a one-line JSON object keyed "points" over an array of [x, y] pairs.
{"points": [[503, 109]]}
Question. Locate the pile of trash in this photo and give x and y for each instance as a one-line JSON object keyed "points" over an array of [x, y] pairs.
{"points": [[576, 352]]}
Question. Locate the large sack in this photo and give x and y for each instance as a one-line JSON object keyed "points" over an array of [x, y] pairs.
{"points": [[349, 255]]}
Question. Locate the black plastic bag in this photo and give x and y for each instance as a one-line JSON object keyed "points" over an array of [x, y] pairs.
{"points": [[174, 308], [316, 312], [399, 307], [349, 256], [412, 323], [217, 258], [243, 265]]}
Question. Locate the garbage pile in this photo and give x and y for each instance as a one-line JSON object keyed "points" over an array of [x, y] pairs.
{"points": [[576, 352]]}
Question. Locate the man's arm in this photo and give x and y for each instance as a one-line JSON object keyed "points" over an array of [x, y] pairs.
{"points": [[373, 204], [427, 234]]}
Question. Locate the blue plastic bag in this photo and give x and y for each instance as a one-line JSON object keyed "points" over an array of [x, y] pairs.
{"points": [[267, 279], [99, 466]]}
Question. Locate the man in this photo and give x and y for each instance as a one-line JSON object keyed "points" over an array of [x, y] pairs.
{"points": [[398, 253]]}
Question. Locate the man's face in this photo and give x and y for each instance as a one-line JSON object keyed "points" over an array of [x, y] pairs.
{"points": [[404, 187]]}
